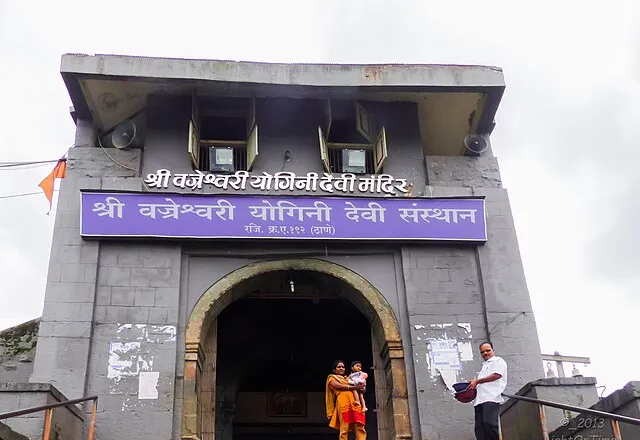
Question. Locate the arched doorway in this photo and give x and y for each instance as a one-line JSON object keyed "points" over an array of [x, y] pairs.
{"points": [[210, 403]]}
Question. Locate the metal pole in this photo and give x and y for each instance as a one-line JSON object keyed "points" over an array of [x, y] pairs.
{"points": [[543, 423], [92, 424], [593, 412], [46, 433], [616, 430], [35, 409]]}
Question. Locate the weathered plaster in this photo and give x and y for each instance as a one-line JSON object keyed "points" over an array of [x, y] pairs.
{"points": [[17, 350]]}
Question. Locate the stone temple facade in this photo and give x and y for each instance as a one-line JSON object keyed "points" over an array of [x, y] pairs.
{"points": [[226, 230]]}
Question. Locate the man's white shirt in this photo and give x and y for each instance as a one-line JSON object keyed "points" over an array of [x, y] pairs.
{"points": [[492, 391]]}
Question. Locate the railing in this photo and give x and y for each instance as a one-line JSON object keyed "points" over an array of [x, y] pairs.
{"points": [[49, 414], [614, 418]]}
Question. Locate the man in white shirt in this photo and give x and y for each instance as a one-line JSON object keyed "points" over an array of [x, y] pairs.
{"points": [[490, 384]]}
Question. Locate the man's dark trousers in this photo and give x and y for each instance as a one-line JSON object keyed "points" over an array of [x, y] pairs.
{"points": [[487, 421]]}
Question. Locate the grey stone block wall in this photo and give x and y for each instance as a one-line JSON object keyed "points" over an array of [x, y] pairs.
{"points": [[6, 433], [62, 352], [510, 320], [522, 419], [135, 335], [17, 350], [95, 162], [445, 303], [66, 421], [469, 295], [625, 402], [115, 310], [464, 171]]}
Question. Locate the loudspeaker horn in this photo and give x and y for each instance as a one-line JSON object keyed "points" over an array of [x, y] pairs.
{"points": [[476, 144], [125, 135]]}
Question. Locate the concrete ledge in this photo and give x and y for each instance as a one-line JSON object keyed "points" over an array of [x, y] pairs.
{"points": [[550, 382], [427, 75], [463, 171], [615, 400], [625, 401], [94, 162], [23, 387], [68, 421], [522, 420], [6, 433]]}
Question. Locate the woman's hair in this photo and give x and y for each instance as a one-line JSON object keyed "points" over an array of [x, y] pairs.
{"points": [[335, 364]]}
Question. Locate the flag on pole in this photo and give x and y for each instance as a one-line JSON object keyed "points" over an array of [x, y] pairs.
{"points": [[48, 182]]}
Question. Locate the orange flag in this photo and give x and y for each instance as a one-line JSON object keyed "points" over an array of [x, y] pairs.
{"points": [[47, 183]]}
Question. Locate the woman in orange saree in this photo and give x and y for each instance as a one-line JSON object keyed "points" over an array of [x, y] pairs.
{"points": [[343, 411]]}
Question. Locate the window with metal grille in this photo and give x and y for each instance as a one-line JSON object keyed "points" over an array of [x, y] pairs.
{"points": [[223, 135], [337, 160], [347, 140], [208, 154]]}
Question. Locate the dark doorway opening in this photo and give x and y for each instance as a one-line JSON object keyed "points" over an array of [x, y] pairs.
{"points": [[275, 348]]}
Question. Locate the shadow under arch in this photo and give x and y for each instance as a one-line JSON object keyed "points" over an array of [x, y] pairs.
{"points": [[393, 416]]}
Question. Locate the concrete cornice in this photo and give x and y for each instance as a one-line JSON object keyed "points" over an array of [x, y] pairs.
{"points": [[329, 75]]}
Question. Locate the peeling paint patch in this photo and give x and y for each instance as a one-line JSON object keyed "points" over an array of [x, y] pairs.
{"points": [[466, 351], [148, 385], [131, 363], [126, 360], [149, 333], [123, 327], [443, 360], [445, 355], [449, 377], [441, 326], [466, 326], [449, 350], [123, 359], [126, 403]]}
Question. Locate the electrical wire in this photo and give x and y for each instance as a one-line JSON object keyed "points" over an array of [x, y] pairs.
{"points": [[9, 166], [122, 165], [24, 167], [24, 194], [4, 165], [115, 161]]}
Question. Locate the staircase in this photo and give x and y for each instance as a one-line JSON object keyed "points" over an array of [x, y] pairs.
{"points": [[7, 433], [615, 417]]}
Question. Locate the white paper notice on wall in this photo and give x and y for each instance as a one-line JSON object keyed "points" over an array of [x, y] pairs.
{"points": [[148, 385], [449, 377], [123, 359], [445, 354]]}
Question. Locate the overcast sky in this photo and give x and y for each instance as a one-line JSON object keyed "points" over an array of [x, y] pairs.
{"points": [[567, 134]]}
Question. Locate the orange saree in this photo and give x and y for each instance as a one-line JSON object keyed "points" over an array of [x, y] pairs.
{"points": [[342, 407]]}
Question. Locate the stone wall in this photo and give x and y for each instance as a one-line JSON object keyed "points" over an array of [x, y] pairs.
{"points": [[17, 350], [67, 422], [464, 171], [521, 420], [6, 433], [114, 310], [624, 402]]}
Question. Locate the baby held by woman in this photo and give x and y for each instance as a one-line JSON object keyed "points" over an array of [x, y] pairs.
{"points": [[358, 377]]}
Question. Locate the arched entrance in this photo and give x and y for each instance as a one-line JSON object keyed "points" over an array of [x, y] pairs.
{"points": [[200, 396]]}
